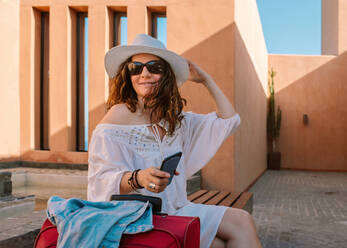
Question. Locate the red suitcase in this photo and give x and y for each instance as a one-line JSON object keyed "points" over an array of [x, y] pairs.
{"points": [[169, 231]]}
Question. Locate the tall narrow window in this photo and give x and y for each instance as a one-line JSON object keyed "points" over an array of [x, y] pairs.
{"points": [[120, 23], [41, 79], [86, 112], [82, 81], [158, 27], [44, 82]]}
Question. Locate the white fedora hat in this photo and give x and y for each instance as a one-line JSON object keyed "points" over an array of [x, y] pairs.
{"points": [[146, 44]]}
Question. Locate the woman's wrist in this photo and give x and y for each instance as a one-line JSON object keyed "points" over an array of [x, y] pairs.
{"points": [[208, 82], [224, 107]]}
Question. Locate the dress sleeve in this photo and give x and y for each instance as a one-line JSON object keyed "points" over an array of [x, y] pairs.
{"points": [[107, 162], [204, 134]]}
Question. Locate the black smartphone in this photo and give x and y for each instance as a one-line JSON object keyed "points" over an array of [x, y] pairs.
{"points": [[170, 164]]}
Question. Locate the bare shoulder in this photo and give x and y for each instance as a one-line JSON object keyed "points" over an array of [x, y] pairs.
{"points": [[118, 114]]}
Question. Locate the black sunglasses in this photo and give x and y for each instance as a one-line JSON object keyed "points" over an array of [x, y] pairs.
{"points": [[153, 66]]}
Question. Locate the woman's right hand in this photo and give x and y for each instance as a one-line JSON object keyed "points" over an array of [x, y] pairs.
{"points": [[196, 74], [153, 175]]}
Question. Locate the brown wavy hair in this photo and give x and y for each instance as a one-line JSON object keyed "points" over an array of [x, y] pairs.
{"points": [[164, 102]]}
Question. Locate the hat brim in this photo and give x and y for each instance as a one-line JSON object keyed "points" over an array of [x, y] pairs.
{"points": [[117, 55]]}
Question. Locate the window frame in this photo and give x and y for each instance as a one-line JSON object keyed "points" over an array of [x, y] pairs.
{"points": [[154, 22]]}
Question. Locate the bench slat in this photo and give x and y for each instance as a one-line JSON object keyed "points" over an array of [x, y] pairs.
{"points": [[204, 198], [243, 200], [230, 199], [217, 198], [197, 194]]}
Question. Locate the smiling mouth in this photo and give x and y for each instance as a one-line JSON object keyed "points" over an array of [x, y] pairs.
{"points": [[149, 83]]}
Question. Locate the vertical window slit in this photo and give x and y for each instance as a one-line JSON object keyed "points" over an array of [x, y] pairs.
{"points": [[44, 82], [82, 81]]}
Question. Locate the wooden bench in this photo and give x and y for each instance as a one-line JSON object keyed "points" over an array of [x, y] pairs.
{"points": [[242, 200]]}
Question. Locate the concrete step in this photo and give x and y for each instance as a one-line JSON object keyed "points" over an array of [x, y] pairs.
{"points": [[15, 205], [23, 179], [193, 184]]}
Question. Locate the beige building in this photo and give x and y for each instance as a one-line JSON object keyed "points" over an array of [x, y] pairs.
{"points": [[43, 99]]}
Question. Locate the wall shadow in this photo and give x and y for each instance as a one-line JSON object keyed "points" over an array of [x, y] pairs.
{"points": [[215, 55], [251, 104]]}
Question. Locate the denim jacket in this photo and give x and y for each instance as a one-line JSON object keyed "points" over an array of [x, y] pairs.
{"points": [[83, 223]]}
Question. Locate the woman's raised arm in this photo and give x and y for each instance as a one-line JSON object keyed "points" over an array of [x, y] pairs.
{"points": [[224, 107]]}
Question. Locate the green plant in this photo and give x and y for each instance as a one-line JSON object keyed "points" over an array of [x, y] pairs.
{"points": [[273, 119]]}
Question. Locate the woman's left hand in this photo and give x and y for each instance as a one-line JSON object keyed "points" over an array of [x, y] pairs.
{"points": [[196, 74]]}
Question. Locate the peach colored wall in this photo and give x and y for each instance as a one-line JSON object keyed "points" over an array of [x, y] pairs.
{"points": [[98, 44], [9, 71], [207, 39], [334, 33], [246, 61], [316, 86], [330, 30], [250, 94], [251, 32], [25, 92], [55, 156], [342, 26], [60, 82]]}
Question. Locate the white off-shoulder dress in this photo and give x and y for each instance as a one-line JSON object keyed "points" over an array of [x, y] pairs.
{"points": [[115, 149]]}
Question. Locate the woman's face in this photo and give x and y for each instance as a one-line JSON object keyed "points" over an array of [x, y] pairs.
{"points": [[144, 82]]}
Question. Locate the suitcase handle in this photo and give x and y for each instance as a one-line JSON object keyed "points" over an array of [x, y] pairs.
{"points": [[154, 201]]}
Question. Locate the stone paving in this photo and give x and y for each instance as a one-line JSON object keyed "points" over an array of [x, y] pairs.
{"points": [[294, 209]]}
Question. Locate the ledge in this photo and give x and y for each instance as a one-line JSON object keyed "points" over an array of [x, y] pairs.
{"points": [[42, 165]]}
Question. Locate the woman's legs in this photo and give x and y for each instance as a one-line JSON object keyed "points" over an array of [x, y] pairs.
{"points": [[237, 229]]}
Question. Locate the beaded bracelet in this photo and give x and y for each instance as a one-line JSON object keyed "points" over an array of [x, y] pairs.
{"points": [[132, 181], [137, 182]]}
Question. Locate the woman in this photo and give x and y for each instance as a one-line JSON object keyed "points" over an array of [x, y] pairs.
{"points": [[145, 124]]}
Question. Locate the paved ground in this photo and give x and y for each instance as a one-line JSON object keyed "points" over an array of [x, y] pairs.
{"points": [[294, 209]]}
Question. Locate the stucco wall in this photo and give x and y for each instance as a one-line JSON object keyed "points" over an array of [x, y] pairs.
{"points": [[342, 26], [334, 32], [330, 29], [250, 94], [250, 29], [207, 39], [316, 86], [236, 57], [9, 83]]}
